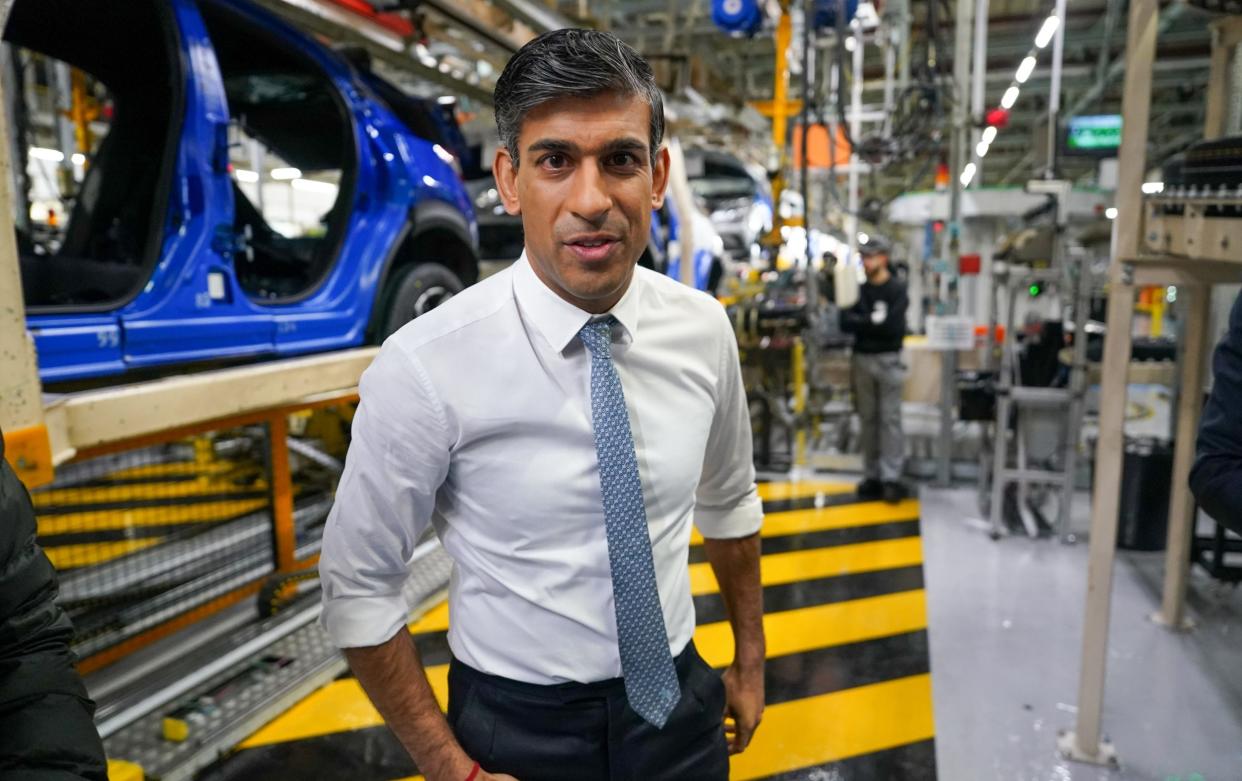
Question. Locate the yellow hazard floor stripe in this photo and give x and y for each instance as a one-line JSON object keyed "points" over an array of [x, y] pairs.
{"points": [[835, 726], [817, 563], [780, 524], [70, 556], [434, 620], [837, 623], [342, 705], [774, 492], [101, 520], [145, 491]]}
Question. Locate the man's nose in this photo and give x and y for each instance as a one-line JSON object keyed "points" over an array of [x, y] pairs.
{"points": [[589, 199]]}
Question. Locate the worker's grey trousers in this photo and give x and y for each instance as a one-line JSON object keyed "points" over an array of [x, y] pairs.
{"points": [[878, 382]]}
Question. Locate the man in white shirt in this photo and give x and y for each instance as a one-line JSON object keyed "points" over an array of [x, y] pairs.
{"points": [[560, 425]]}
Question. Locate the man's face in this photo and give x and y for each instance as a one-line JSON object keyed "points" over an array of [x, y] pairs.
{"points": [[585, 186], [875, 264]]}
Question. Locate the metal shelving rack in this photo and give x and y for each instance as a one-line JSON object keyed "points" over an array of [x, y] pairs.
{"points": [[1153, 245]]}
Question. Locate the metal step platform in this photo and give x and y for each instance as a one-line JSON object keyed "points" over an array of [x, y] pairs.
{"points": [[192, 708]]}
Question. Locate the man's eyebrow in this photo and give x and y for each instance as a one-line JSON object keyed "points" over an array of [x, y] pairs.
{"points": [[552, 145], [560, 146]]}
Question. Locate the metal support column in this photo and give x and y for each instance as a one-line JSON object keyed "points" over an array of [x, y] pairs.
{"points": [[1084, 742], [957, 159], [1054, 94], [978, 84], [855, 117]]}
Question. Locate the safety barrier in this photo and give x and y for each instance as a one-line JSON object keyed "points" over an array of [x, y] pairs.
{"points": [[152, 534]]}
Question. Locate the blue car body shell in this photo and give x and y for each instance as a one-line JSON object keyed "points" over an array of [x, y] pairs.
{"points": [[192, 307]]}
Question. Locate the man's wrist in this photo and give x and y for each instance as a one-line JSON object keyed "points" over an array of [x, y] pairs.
{"points": [[453, 764], [749, 658]]}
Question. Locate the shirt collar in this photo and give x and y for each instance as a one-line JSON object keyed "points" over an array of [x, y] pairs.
{"points": [[560, 321]]}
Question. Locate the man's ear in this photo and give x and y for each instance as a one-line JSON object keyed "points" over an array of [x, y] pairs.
{"points": [[505, 173], [659, 177]]}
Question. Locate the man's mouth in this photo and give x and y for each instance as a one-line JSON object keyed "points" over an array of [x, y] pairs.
{"points": [[592, 248]]}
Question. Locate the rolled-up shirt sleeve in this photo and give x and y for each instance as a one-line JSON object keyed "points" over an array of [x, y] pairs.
{"points": [[397, 460], [727, 502]]}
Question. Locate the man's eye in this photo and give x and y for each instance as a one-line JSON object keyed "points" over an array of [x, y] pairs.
{"points": [[552, 161], [624, 159]]}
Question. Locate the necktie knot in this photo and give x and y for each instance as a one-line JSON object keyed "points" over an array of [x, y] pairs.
{"points": [[597, 336]]}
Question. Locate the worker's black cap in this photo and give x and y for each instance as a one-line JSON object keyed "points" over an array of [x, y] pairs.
{"points": [[874, 246]]}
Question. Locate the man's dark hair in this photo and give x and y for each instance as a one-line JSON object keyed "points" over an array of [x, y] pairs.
{"points": [[577, 63]]}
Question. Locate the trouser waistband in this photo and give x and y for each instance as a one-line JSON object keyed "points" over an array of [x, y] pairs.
{"points": [[564, 692]]}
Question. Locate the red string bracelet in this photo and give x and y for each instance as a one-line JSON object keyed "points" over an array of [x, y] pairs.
{"points": [[474, 771]]}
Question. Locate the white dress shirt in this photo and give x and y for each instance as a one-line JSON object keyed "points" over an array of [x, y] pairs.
{"points": [[476, 419]]}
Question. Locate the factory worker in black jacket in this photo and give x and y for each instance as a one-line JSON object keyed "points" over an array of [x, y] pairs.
{"points": [[47, 731], [878, 323], [1216, 478]]}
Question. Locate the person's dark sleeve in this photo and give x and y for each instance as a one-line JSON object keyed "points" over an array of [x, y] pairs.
{"points": [[1216, 478], [47, 729], [854, 318]]}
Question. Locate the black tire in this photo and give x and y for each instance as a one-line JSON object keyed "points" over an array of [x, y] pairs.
{"points": [[416, 291]]}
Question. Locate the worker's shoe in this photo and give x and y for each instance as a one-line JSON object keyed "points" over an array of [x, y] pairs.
{"points": [[893, 492], [870, 489]]}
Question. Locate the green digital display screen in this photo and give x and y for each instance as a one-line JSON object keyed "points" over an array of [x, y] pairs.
{"points": [[1100, 132]]}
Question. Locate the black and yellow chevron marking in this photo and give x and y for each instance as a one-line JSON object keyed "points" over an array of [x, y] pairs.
{"points": [[848, 676], [135, 507]]}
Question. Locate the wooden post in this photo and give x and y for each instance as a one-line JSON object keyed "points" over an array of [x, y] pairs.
{"points": [[27, 447], [1181, 503], [1226, 34], [1084, 743]]}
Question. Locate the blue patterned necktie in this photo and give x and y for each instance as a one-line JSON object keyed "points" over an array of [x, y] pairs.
{"points": [[646, 663]]}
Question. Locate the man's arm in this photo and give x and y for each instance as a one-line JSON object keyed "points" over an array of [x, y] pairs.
{"points": [[729, 514], [736, 566], [397, 460], [394, 678]]}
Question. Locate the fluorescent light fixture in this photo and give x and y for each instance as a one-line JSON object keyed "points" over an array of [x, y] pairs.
{"points": [[989, 134], [1047, 31], [982, 149], [245, 176], [1010, 97], [286, 173], [968, 173], [1153, 188], [1025, 70], [312, 186], [1111, 212], [43, 153], [863, 238], [443, 154], [446, 100], [78, 158]]}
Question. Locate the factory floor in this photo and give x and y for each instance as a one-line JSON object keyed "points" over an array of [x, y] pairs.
{"points": [[848, 679], [850, 627], [1006, 644]]}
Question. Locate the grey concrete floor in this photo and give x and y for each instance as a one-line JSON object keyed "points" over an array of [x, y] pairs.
{"points": [[1006, 631]]}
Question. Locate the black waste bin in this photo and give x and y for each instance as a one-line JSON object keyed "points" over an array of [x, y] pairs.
{"points": [[1146, 475]]}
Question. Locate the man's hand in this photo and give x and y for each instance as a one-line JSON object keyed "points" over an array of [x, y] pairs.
{"points": [[743, 705]]}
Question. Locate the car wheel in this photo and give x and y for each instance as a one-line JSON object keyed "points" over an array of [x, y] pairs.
{"points": [[417, 291]]}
